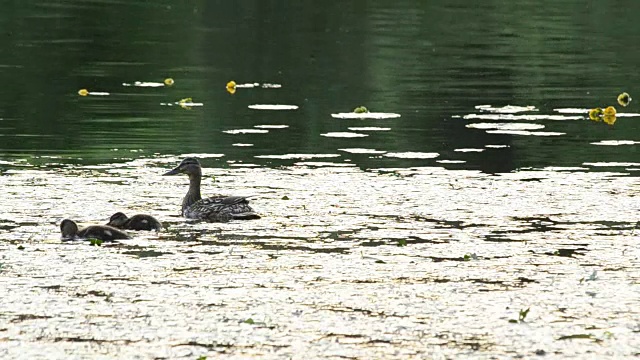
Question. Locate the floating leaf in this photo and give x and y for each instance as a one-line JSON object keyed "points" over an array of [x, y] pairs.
{"points": [[365, 115], [362, 151], [146, 84], [271, 126], [245, 131], [470, 256], [273, 107], [344, 134], [297, 156], [508, 109], [412, 155], [369, 128]]}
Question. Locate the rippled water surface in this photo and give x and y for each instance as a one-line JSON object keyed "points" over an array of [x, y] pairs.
{"points": [[476, 211]]}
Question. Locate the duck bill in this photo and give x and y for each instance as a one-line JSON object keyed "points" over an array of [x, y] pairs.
{"points": [[172, 172]]}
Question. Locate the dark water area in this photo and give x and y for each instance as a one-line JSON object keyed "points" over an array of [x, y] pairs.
{"points": [[429, 62], [476, 212]]}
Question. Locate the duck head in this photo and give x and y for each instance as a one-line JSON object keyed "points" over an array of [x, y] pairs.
{"points": [[68, 228], [117, 220], [189, 166]]}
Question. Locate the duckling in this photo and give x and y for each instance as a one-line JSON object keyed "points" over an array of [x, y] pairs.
{"points": [[217, 208], [136, 222], [70, 230]]}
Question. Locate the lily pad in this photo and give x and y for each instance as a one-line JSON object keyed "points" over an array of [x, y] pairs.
{"points": [[273, 107], [362, 151], [366, 115], [508, 109], [245, 131], [412, 155], [297, 156], [344, 134]]}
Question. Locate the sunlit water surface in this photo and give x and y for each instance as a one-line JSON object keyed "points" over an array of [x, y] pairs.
{"points": [[389, 263]]}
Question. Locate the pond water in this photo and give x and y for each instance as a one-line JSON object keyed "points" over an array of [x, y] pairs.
{"points": [[476, 188]]}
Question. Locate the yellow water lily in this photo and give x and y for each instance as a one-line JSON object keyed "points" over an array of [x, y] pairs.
{"points": [[594, 114], [610, 111], [183, 103], [360, 110], [231, 87], [609, 119], [624, 99]]}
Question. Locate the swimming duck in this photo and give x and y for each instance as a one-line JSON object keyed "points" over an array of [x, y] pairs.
{"points": [[216, 208], [136, 222], [70, 230]]}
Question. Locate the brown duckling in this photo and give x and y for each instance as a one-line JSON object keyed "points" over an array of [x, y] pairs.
{"points": [[136, 222], [70, 230]]}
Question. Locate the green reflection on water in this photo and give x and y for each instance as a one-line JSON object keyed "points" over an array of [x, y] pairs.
{"points": [[426, 61]]}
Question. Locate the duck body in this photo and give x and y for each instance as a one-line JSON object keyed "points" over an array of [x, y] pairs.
{"points": [[214, 209], [69, 230], [220, 208], [136, 222]]}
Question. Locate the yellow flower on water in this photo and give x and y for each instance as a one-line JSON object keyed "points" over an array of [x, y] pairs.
{"points": [[594, 114], [169, 81], [610, 111], [183, 103], [360, 110], [624, 99], [609, 119], [231, 87], [83, 92]]}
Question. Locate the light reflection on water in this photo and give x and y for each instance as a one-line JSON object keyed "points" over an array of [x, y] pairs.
{"points": [[422, 239], [394, 262]]}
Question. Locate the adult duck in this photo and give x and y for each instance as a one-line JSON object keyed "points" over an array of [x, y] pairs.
{"points": [[136, 222], [70, 230], [216, 208]]}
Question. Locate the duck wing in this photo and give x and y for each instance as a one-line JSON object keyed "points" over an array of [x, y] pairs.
{"points": [[221, 209]]}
